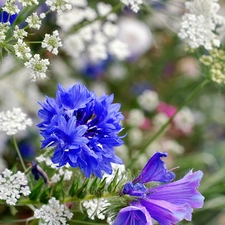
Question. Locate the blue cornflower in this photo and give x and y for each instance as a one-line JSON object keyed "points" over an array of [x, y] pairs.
{"points": [[168, 203], [83, 128]]}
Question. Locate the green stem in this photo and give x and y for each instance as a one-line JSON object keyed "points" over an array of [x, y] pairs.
{"points": [[162, 128], [18, 152]]}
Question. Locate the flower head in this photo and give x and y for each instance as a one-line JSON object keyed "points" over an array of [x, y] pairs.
{"points": [[168, 203], [83, 128], [53, 213], [13, 121], [12, 186]]}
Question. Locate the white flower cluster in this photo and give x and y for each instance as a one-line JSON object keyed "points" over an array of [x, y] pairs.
{"points": [[148, 100], [199, 25], [52, 42], [184, 120], [36, 66], [59, 5], [97, 39], [12, 186], [96, 207], [53, 214], [13, 121], [133, 4], [62, 171]]}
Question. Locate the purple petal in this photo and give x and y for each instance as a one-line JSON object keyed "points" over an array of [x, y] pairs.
{"points": [[133, 215], [165, 212], [180, 191], [155, 170]]}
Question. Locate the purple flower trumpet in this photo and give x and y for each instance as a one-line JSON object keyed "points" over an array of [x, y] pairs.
{"points": [[168, 203]]}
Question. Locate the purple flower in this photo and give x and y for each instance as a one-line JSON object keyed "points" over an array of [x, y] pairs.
{"points": [[83, 128], [168, 203]]}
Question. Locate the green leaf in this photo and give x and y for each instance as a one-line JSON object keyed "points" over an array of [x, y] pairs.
{"points": [[36, 190]]}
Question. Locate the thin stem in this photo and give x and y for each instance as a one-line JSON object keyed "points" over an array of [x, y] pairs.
{"points": [[162, 128], [18, 152]]}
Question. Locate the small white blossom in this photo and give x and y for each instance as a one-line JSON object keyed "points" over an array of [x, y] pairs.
{"points": [[95, 208], [59, 5], [79, 3], [12, 186], [135, 118], [148, 100], [119, 49], [13, 121], [53, 213], [133, 4], [198, 26], [98, 51], [159, 120], [37, 67], [52, 42], [4, 27], [25, 3], [19, 33], [34, 21], [103, 8], [42, 15], [22, 51], [110, 29], [74, 45], [10, 7], [184, 120]]}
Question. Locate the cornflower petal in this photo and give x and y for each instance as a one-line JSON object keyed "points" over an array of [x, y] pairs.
{"points": [[155, 170], [83, 128]]}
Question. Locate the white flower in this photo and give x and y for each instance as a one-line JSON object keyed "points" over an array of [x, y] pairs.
{"points": [[52, 42], [25, 3], [136, 34], [13, 121], [10, 7], [98, 51], [37, 67], [95, 208], [34, 21], [119, 49], [198, 26], [66, 20], [4, 27], [12, 186], [74, 45], [159, 120], [53, 213], [148, 100], [184, 120], [19, 33], [133, 4], [79, 3], [135, 136], [103, 8], [59, 5], [135, 118], [22, 51]]}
